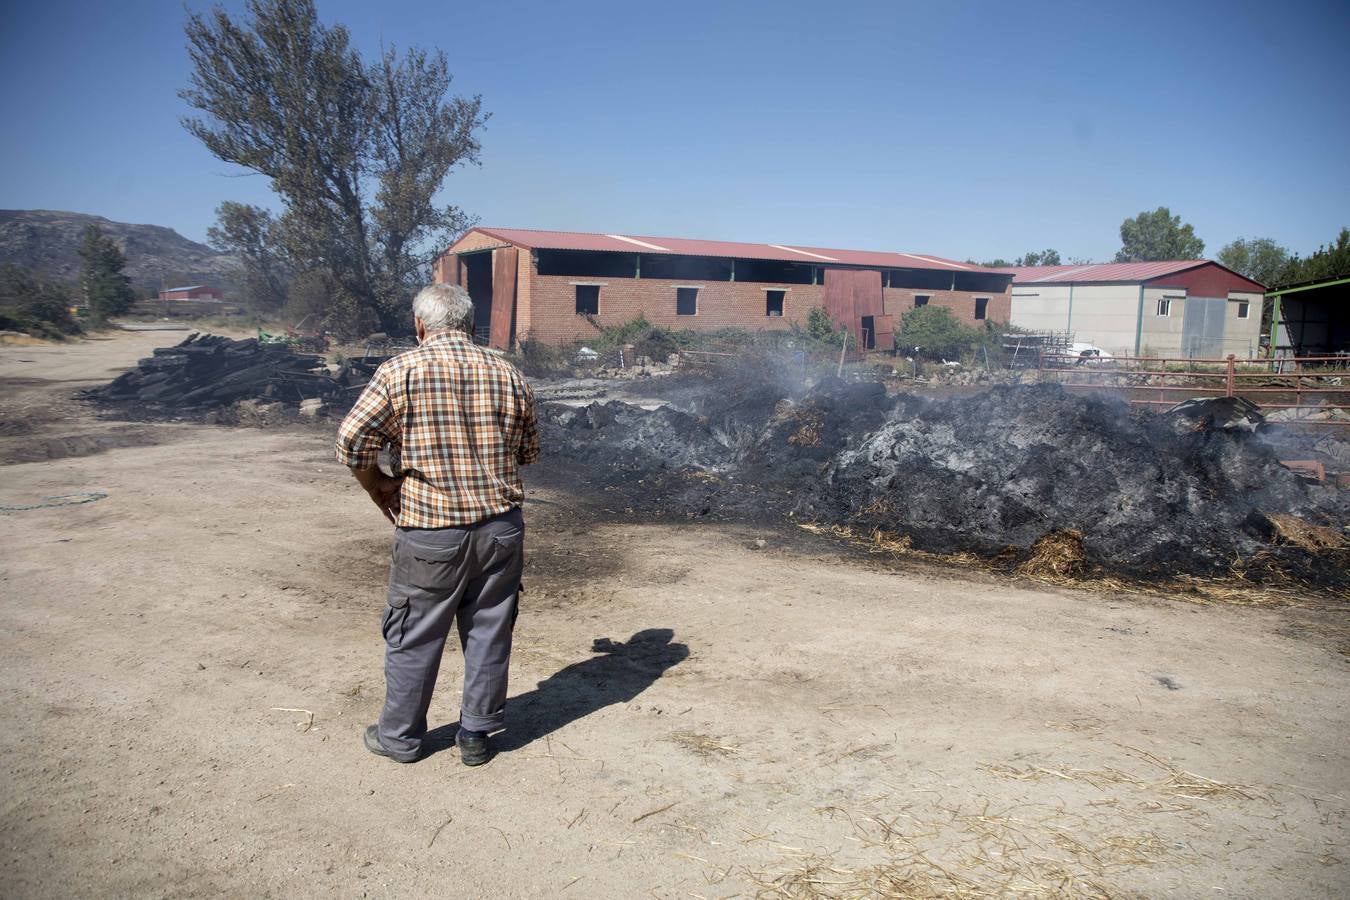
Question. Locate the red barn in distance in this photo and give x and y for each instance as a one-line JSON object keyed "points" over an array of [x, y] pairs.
{"points": [[190, 292], [557, 286]]}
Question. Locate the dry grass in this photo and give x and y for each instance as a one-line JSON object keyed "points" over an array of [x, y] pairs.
{"points": [[1056, 554], [939, 851], [1055, 564], [1306, 535], [703, 744], [1177, 783]]}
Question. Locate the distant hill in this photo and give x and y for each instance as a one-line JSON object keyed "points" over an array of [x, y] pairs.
{"points": [[48, 241]]}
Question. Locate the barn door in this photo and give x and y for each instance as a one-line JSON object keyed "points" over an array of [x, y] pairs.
{"points": [[502, 333], [1202, 326], [851, 294]]}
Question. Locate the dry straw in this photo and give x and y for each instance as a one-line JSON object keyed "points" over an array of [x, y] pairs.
{"points": [[1058, 559]]}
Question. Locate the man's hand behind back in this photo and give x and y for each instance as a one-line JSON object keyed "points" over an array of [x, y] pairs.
{"points": [[383, 490]]}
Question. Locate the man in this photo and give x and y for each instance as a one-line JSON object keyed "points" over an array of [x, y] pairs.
{"points": [[459, 421]]}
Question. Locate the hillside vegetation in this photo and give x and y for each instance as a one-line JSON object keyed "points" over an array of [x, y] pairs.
{"points": [[47, 242]]}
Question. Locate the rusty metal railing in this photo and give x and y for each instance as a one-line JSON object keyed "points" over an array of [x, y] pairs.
{"points": [[1279, 384]]}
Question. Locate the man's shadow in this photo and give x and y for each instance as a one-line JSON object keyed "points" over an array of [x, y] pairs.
{"points": [[617, 674]]}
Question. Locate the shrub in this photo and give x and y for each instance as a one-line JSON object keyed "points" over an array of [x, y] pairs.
{"points": [[33, 304], [818, 325], [539, 359], [933, 332]]}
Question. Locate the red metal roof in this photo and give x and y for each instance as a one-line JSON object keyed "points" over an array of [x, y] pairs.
{"points": [[629, 243], [1100, 272]]}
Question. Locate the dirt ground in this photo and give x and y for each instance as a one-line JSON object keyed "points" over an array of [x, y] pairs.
{"points": [[189, 662]]}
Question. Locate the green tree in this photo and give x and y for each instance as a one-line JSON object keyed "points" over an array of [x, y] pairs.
{"points": [[107, 291], [357, 152], [1327, 262], [33, 304], [933, 332], [1260, 259], [253, 234], [819, 327], [1031, 258], [1157, 235], [1044, 258]]}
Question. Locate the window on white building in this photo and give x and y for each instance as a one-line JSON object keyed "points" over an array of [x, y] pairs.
{"points": [[1244, 309], [1164, 306]]}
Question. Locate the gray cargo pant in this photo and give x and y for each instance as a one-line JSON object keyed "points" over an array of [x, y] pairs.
{"points": [[471, 575]]}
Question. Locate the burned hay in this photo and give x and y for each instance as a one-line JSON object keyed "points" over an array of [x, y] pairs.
{"points": [[1297, 532], [1056, 556], [1030, 479]]}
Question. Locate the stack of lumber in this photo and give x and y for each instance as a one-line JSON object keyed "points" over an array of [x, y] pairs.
{"points": [[207, 371]]}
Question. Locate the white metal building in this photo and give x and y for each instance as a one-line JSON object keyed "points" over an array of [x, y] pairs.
{"points": [[1185, 308]]}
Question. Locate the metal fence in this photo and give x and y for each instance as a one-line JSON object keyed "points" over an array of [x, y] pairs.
{"points": [[1315, 388]]}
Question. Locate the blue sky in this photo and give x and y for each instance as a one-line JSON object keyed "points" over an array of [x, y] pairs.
{"points": [[961, 129]]}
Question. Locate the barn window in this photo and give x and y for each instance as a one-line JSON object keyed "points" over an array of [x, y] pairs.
{"points": [[773, 302], [1244, 309], [1164, 306], [920, 300], [981, 306], [588, 299], [686, 301]]}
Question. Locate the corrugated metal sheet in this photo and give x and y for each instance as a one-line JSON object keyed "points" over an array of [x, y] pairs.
{"points": [[629, 243], [1102, 272]]}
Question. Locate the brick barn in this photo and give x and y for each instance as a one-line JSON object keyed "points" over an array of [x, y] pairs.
{"points": [[557, 286]]}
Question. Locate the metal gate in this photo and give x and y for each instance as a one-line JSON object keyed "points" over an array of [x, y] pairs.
{"points": [[1202, 326]]}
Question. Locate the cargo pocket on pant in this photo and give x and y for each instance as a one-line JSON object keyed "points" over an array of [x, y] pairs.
{"points": [[395, 623]]}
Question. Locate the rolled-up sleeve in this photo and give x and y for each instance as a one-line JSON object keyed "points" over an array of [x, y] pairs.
{"points": [[529, 427], [368, 427]]}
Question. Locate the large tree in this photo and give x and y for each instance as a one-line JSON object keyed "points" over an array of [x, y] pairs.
{"points": [[1044, 258], [253, 234], [1157, 235], [1260, 259], [356, 152], [1030, 258], [1330, 261], [106, 289]]}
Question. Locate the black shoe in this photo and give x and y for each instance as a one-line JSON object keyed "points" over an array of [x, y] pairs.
{"points": [[373, 744], [473, 747]]}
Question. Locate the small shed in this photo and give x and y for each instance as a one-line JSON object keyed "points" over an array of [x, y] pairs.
{"points": [[1311, 319], [1194, 308]]}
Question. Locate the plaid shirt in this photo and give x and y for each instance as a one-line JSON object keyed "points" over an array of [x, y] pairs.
{"points": [[458, 419]]}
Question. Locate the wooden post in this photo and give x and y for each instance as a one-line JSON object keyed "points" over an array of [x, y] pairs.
{"points": [[1230, 388], [843, 348]]}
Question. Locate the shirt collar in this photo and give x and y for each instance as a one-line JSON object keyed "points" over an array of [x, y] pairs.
{"points": [[445, 336]]}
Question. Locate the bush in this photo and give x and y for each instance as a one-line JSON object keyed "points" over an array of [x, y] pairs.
{"points": [[322, 303], [819, 327], [35, 305], [933, 332], [647, 339], [538, 359]]}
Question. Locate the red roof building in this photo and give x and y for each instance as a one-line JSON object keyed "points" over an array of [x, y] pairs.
{"points": [[190, 292], [560, 286], [1191, 307]]}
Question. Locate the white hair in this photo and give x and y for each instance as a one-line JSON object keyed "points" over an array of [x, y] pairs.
{"points": [[442, 306]]}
